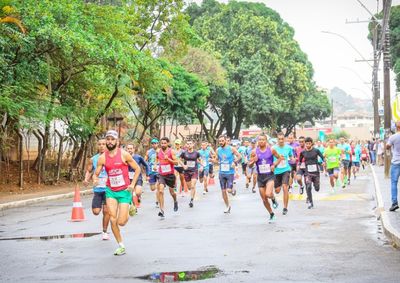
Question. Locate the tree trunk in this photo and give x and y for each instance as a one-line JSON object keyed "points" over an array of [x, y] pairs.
{"points": [[42, 164], [20, 157], [60, 148], [38, 159]]}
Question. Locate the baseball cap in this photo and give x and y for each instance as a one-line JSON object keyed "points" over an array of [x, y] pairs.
{"points": [[112, 133], [154, 140], [253, 141], [178, 141]]}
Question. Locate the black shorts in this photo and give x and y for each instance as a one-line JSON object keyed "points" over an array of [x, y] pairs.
{"points": [[282, 179], [139, 182], [263, 179], [301, 171], [211, 169], [179, 169], [294, 167], [244, 165], [226, 181], [167, 180], [313, 179], [345, 164], [99, 199], [190, 175]]}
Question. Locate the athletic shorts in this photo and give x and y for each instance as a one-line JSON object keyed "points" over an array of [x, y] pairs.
{"points": [[244, 166], [251, 171], [313, 179], [167, 180], [263, 179], [190, 175], [179, 169], [356, 164], [211, 169], [139, 182], [123, 196], [345, 164], [99, 199], [294, 167], [282, 179], [226, 181], [153, 178], [301, 171], [204, 172], [333, 171]]}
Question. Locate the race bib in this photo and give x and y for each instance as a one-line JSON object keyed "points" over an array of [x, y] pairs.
{"points": [[117, 181], [225, 167], [165, 168], [282, 164], [204, 163], [264, 168], [353, 157], [303, 165], [363, 155], [131, 174], [312, 168], [102, 182], [332, 159], [191, 164]]}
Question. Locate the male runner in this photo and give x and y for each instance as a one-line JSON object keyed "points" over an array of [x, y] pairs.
{"points": [[346, 150], [167, 159], [251, 172], [282, 169], [332, 157], [99, 191], [190, 160], [179, 169], [204, 170], [245, 157], [227, 162], [151, 158], [137, 193], [116, 162], [263, 158], [292, 162], [355, 158], [310, 157]]}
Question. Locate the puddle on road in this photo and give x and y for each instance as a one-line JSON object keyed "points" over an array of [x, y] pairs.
{"points": [[202, 274], [52, 237]]}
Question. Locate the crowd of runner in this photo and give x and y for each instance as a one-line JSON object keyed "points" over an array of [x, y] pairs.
{"points": [[273, 165]]}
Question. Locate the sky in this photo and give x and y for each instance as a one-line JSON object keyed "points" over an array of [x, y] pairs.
{"points": [[332, 57]]}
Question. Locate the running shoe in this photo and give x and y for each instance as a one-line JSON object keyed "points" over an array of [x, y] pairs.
{"points": [[311, 205], [157, 206], [254, 190], [175, 206], [233, 192], [394, 207], [274, 203], [132, 210], [191, 203], [105, 236], [348, 182], [139, 202], [204, 192], [285, 211], [119, 251], [247, 186], [272, 217], [302, 190], [227, 210], [161, 214], [307, 200], [290, 190]]}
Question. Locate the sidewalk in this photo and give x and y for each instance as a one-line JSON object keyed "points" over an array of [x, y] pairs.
{"points": [[390, 220]]}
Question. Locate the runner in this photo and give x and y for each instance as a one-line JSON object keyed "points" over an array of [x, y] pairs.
{"points": [[293, 164], [205, 155], [346, 150], [355, 158], [282, 169], [211, 169], [116, 162], [321, 149], [332, 157], [262, 157], [301, 167], [167, 159], [179, 169], [251, 172], [245, 157], [190, 160], [364, 156], [310, 158], [151, 158], [99, 191], [137, 192], [226, 158]]}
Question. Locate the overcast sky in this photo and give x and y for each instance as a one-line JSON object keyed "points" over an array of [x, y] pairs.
{"points": [[332, 57]]}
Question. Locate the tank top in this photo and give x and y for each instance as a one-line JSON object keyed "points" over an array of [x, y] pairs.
{"points": [[226, 158], [117, 171], [166, 167], [152, 154], [178, 153], [101, 187], [265, 161]]}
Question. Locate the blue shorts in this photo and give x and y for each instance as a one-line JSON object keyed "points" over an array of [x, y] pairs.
{"points": [[226, 181], [153, 179], [203, 173], [356, 164]]}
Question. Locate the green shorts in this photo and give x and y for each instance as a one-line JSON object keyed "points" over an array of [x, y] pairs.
{"points": [[123, 196]]}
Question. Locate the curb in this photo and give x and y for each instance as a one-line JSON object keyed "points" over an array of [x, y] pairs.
{"points": [[390, 232], [20, 203]]}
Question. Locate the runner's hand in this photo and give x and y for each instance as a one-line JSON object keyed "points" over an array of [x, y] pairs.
{"points": [[85, 183]]}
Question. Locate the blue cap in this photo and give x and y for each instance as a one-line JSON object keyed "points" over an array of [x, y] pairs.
{"points": [[253, 141], [154, 140]]}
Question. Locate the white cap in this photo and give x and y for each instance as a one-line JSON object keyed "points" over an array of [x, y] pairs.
{"points": [[112, 133]]}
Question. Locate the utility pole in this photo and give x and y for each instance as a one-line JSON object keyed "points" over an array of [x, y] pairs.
{"points": [[375, 82]]}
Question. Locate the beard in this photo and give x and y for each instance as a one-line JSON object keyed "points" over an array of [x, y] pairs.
{"points": [[111, 146]]}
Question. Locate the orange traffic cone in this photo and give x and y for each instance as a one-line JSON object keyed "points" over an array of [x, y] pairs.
{"points": [[211, 181], [77, 209]]}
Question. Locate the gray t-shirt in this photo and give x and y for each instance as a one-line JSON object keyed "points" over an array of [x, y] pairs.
{"points": [[394, 141]]}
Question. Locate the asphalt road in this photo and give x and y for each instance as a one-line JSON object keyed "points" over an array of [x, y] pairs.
{"points": [[338, 241]]}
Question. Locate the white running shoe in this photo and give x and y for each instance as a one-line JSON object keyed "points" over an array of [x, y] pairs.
{"points": [[105, 236], [227, 210]]}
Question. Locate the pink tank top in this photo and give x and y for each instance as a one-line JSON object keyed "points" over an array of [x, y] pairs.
{"points": [[166, 167], [117, 171]]}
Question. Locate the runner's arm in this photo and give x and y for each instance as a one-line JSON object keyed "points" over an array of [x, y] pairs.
{"points": [[145, 165], [131, 162], [173, 159], [100, 163], [89, 172], [253, 158], [237, 154]]}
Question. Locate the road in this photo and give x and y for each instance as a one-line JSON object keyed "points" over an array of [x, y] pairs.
{"points": [[338, 241]]}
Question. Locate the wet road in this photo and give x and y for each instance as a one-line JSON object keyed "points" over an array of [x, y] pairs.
{"points": [[339, 241]]}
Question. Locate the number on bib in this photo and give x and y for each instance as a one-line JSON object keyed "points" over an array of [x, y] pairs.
{"points": [[225, 167], [131, 174], [282, 164], [332, 159], [264, 168], [191, 164], [117, 181], [165, 168], [363, 155], [312, 168]]}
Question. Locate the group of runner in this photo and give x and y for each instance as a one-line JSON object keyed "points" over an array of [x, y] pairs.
{"points": [[118, 174]]}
